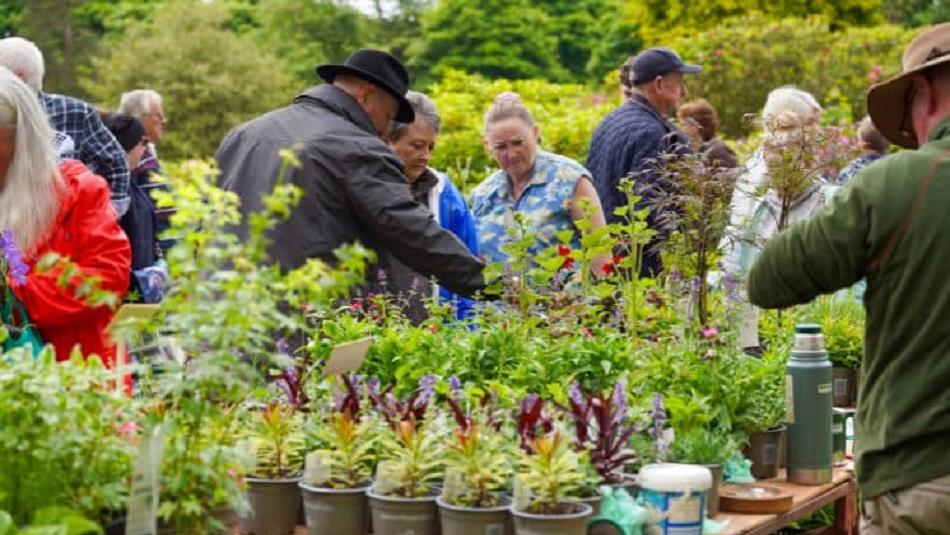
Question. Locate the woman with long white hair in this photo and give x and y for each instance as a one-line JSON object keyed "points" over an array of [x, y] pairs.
{"points": [[48, 206]]}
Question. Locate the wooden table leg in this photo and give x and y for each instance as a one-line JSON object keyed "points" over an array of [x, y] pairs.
{"points": [[846, 518]]}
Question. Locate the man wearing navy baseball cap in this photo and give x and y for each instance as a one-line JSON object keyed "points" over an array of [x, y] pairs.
{"points": [[632, 138]]}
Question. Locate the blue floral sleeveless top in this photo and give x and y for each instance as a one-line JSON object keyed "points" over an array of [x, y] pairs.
{"points": [[545, 204]]}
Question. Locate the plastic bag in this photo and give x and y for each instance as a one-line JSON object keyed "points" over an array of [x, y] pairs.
{"points": [[620, 511], [737, 469]]}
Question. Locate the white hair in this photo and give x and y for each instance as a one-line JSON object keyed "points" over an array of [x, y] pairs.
{"points": [[789, 107], [31, 190], [138, 102], [24, 59]]}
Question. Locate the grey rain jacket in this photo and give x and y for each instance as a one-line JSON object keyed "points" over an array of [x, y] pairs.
{"points": [[353, 187]]}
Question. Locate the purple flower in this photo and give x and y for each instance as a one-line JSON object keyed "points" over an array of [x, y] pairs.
{"points": [[283, 348], [14, 259], [456, 386], [426, 389], [659, 417], [574, 392], [381, 276], [372, 386], [675, 275], [619, 401]]}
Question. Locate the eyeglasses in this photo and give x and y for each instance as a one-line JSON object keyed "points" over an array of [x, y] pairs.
{"points": [[500, 148]]}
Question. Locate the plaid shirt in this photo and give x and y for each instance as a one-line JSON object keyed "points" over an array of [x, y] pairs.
{"points": [[81, 135]]}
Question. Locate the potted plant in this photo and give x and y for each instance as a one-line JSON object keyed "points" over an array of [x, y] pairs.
{"points": [[337, 477], [761, 412], [707, 447], [477, 472], [276, 444], [402, 497], [842, 325], [549, 475]]}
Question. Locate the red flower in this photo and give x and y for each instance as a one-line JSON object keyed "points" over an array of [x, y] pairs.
{"points": [[568, 263], [564, 251], [356, 305], [587, 332], [608, 269], [433, 328]]}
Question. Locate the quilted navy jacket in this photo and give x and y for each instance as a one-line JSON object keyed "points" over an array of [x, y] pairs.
{"points": [[628, 141]]}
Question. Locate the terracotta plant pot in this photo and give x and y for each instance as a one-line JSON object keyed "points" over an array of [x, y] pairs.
{"points": [[764, 451], [274, 504], [459, 520], [394, 515], [573, 522], [335, 511], [843, 387], [712, 496]]}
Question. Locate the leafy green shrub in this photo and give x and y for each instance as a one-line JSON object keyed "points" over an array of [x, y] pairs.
{"points": [[67, 436], [566, 113], [747, 57], [210, 78]]}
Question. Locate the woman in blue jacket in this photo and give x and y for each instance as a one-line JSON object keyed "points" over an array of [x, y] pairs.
{"points": [[413, 143]]}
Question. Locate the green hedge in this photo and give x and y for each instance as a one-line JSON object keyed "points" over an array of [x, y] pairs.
{"points": [[566, 113], [747, 57]]}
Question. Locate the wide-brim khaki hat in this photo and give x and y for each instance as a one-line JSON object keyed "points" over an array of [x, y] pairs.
{"points": [[887, 101]]}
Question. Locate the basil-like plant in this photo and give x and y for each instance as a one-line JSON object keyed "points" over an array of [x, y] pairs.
{"points": [[704, 446]]}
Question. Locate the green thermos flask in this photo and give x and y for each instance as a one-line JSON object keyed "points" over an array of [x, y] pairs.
{"points": [[808, 398]]}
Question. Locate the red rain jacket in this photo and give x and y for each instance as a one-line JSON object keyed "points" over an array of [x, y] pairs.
{"points": [[88, 232]]}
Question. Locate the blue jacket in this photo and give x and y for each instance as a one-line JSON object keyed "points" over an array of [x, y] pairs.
{"points": [[454, 215], [628, 141]]}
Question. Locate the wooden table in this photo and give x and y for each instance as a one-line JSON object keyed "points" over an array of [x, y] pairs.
{"points": [[842, 491]]}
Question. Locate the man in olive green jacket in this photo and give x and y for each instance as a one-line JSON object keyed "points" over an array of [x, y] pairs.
{"points": [[890, 224]]}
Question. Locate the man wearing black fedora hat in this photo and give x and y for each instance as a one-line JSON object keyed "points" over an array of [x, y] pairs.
{"points": [[889, 224], [354, 188]]}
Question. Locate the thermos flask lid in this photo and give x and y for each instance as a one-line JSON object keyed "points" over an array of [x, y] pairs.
{"points": [[808, 328]]}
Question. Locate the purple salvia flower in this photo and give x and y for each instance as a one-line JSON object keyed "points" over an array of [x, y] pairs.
{"points": [[619, 402], [283, 348], [675, 275], [574, 392], [426, 389], [659, 416], [11, 252], [372, 386], [529, 402], [456, 386], [381, 276]]}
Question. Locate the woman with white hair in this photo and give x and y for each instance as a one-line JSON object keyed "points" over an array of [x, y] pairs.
{"points": [[48, 206], [788, 112]]}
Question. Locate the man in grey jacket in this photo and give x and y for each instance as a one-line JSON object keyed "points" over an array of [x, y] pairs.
{"points": [[354, 188]]}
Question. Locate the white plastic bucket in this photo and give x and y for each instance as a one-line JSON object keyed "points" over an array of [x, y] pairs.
{"points": [[675, 496]]}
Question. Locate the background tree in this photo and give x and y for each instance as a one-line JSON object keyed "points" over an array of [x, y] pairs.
{"points": [[211, 79], [917, 12], [306, 33], [495, 38]]}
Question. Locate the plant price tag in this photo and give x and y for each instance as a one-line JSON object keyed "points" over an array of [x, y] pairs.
{"points": [[317, 468], [347, 357], [146, 485]]}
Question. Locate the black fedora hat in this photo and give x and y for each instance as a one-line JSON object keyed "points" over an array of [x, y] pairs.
{"points": [[380, 69]]}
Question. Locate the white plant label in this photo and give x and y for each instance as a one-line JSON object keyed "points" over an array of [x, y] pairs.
{"points": [[347, 357], [146, 485], [749, 327], [452, 485], [317, 468], [789, 400], [521, 498], [388, 476]]}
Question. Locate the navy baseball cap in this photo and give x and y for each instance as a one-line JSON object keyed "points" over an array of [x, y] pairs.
{"points": [[659, 61]]}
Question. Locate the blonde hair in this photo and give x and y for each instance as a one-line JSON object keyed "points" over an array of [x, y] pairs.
{"points": [[507, 105], [31, 190], [789, 108]]}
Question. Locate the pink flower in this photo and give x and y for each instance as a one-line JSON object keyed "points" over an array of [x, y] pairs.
{"points": [[128, 429], [710, 332]]}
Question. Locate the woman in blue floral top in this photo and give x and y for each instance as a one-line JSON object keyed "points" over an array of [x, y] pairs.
{"points": [[546, 188]]}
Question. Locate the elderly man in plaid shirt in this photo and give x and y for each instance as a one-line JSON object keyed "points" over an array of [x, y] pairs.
{"points": [[80, 134]]}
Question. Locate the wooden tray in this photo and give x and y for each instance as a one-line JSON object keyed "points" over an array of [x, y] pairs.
{"points": [[754, 498]]}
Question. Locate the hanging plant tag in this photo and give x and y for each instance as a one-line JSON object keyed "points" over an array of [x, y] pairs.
{"points": [[452, 485], [318, 469], [521, 494], [146, 483], [388, 477]]}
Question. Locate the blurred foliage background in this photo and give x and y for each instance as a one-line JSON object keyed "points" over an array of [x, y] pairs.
{"points": [[220, 62]]}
